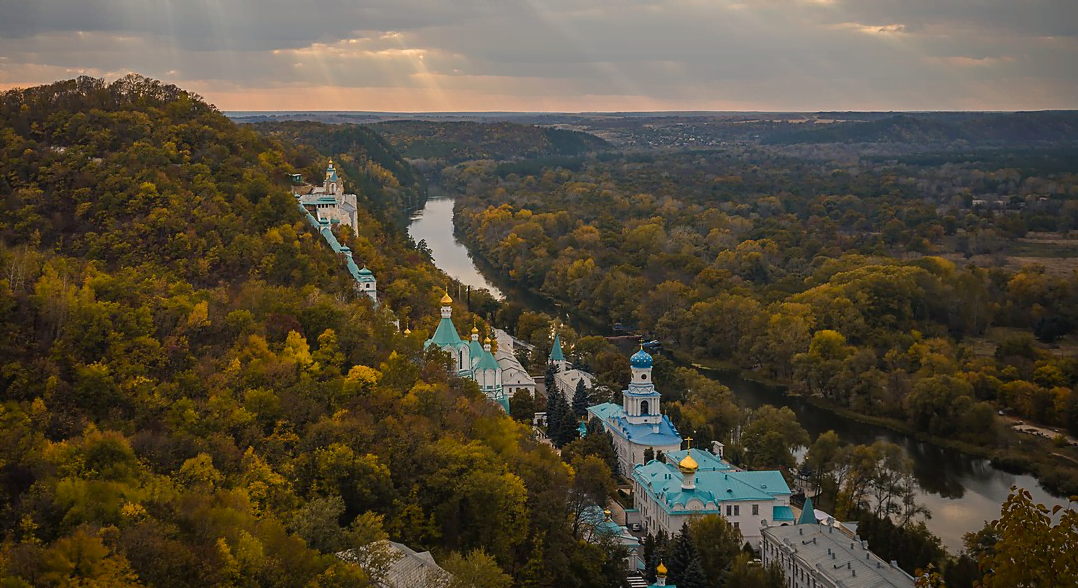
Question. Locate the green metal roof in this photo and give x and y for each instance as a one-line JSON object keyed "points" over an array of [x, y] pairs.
{"points": [[446, 335], [475, 350], [487, 362], [555, 351], [808, 514]]}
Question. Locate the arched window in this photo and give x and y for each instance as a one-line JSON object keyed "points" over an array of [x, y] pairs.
{"points": [[644, 407], [462, 365]]}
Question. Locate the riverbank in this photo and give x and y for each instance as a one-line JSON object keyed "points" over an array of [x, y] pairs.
{"points": [[961, 489], [1015, 456]]}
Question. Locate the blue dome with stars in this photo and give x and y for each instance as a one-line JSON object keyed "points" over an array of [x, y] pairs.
{"points": [[640, 359]]}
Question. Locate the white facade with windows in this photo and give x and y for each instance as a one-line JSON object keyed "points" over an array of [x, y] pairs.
{"points": [[637, 424]]}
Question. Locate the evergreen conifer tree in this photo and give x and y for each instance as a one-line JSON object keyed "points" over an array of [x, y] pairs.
{"points": [[693, 576], [566, 429], [658, 554], [649, 454], [553, 417], [681, 558], [580, 399], [548, 378]]}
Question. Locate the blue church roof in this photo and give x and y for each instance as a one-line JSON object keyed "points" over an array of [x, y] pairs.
{"points": [[614, 416], [641, 359]]}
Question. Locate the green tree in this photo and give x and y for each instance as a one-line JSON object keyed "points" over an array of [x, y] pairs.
{"points": [[717, 543], [475, 570], [580, 399], [1037, 547]]}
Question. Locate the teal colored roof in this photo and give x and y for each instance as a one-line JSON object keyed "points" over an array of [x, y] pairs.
{"points": [[662, 482], [504, 403], [641, 359], [487, 362], [445, 335], [324, 229], [555, 351], [808, 514], [706, 460], [475, 350], [365, 275], [782, 513], [614, 417], [331, 174]]}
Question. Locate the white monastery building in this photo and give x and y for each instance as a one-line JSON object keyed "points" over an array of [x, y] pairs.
{"points": [[636, 424], [692, 483], [822, 556], [329, 201]]}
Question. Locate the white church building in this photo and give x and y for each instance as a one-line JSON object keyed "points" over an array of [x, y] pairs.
{"points": [[328, 201], [637, 424], [327, 207], [471, 360]]}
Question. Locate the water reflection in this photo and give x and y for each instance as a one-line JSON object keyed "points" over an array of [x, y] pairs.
{"points": [[961, 491], [434, 224]]}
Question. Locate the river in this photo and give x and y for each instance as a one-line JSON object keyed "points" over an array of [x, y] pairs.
{"points": [[960, 490]]}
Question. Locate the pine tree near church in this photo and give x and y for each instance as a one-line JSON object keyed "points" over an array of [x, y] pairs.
{"points": [[684, 562], [580, 399], [548, 379], [553, 415]]}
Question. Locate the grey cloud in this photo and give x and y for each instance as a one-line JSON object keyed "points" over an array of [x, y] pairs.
{"points": [[768, 52]]}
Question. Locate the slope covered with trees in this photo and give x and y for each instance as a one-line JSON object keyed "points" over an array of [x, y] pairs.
{"points": [[191, 394], [849, 283], [1000, 128], [453, 142], [382, 179]]}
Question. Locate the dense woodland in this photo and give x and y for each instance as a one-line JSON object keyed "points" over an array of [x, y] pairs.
{"points": [[913, 291], [384, 182], [192, 393], [432, 145]]}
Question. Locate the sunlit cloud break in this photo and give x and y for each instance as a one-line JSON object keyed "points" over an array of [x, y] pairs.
{"points": [[558, 55]]}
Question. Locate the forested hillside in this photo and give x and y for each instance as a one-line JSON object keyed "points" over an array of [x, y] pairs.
{"points": [[191, 394], [453, 142], [383, 180], [940, 128], [910, 292]]}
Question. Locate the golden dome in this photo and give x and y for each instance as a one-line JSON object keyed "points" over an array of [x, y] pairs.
{"points": [[487, 340], [446, 300], [475, 330], [661, 569], [688, 464], [407, 331]]}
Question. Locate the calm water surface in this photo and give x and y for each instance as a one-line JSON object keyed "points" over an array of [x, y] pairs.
{"points": [[962, 491], [434, 224]]}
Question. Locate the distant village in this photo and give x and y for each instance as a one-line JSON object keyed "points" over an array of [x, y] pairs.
{"points": [[671, 481]]}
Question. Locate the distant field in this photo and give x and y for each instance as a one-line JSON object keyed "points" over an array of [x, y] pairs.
{"points": [[986, 346]]}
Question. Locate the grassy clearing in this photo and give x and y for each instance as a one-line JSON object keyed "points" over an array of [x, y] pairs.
{"points": [[985, 346]]}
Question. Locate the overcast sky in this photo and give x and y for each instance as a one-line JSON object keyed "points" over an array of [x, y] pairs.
{"points": [[561, 55]]}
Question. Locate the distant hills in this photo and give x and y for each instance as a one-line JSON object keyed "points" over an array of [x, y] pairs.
{"points": [[453, 142], [941, 127]]}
